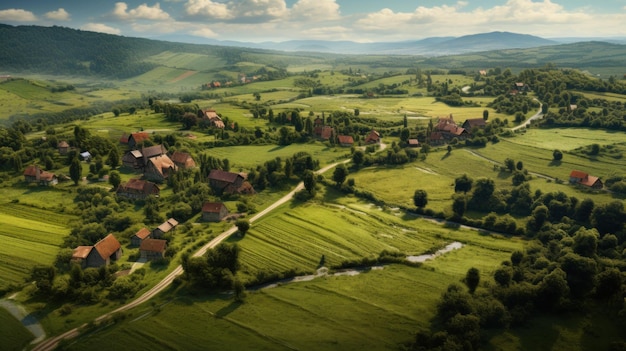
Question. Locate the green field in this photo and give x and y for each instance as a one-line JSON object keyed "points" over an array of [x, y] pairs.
{"points": [[30, 237], [13, 334]]}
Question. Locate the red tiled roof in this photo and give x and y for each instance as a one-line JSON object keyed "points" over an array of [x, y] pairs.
{"points": [[212, 207], [82, 252], [153, 245], [578, 174], [143, 233], [373, 136], [139, 137], [345, 139], [124, 139], [589, 181], [32, 171], [107, 246], [327, 131], [218, 174]]}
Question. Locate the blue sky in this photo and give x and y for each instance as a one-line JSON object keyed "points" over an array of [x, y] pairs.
{"points": [[357, 20]]}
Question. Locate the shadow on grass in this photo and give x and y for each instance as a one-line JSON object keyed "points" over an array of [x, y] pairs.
{"points": [[226, 310], [279, 147], [554, 163]]}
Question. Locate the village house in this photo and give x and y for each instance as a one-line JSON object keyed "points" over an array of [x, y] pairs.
{"points": [[136, 139], [100, 254], [159, 168], [85, 156], [471, 125], [436, 138], [327, 132], [137, 189], [222, 182], [318, 123], [584, 179], [214, 211], [166, 227], [413, 143], [213, 119], [182, 160], [373, 137], [152, 249], [34, 174], [141, 235], [449, 129], [63, 147], [138, 159], [345, 140]]}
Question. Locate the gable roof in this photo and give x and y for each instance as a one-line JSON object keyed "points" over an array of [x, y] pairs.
{"points": [[589, 181], [168, 225], [143, 233], [63, 143], [475, 122], [212, 207], [82, 252], [180, 157], [153, 245], [107, 246], [345, 139], [162, 162], [32, 171], [327, 132], [210, 113], [223, 176], [413, 142], [153, 151], [578, 174], [373, 136], [139, 137]]}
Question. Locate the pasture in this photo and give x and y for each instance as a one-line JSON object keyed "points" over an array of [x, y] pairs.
{"points": [[13, 334], [30, 236]]}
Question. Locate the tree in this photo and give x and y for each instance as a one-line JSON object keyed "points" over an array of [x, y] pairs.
{"points": [[308, 178], [459, 205], [356, 112], [340, 174], [557, 155], [486, 115], [76, 170], [114, 158], [257, 96], [405, 134], [463, 183], [608, 218], [509, 164], [115, 179], [472, 278], [595, 149], [519, 165], [358, 157], [243, 226], [420, 198]]}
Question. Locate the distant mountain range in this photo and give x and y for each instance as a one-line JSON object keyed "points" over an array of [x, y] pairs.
{"points": [[434, 46]]}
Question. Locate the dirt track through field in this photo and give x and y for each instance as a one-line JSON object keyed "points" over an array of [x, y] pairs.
{"points": [[183, 76]]}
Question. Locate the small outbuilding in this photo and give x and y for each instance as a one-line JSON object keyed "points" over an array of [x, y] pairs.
{"points": [[140, 236], [214, 211], [152, 249]]}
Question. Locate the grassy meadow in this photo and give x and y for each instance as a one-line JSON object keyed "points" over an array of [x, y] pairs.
{"points": [[14, 335]]}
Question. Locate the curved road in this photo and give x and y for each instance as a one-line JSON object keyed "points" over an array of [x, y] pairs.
{"points": [[51, 343], [537, 115]]}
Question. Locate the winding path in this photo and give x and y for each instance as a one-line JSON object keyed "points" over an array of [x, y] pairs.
{"points": [[537, 115], [51, 343]]}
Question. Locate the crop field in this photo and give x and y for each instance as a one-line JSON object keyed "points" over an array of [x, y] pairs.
{"points": [[189, 61], [566, 139], [29, 236], [13, 334], [247, 157]]}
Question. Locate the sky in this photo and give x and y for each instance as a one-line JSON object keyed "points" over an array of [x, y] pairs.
{"points": [[355, 20]]}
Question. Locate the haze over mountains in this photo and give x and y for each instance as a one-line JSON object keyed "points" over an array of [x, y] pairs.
{"points": [[434, 46]]}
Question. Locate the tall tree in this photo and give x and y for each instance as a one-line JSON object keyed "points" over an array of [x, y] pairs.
{"points": [[472, 278], [308, 178], [76, 170], [115, 179], [340, 174], [114, 158], [463, 183]]}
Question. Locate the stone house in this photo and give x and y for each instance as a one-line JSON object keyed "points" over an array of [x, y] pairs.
{"points": [[152, 249], [214, 211]]}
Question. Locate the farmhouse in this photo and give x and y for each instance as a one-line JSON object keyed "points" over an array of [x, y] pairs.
{"points": [[159, 168], [222, 182], [63, 147], [436, 138], [141, 235], [471, 125], [137, 189], [136, 139], [214, 211], [100, 254], [213, 119], [182, 160], [413, 143], [138, 159], [152, 249], [34, 174], [373, 137], [326, 132], [345, 140], [164, 228], [583, 178], [318, 123]]}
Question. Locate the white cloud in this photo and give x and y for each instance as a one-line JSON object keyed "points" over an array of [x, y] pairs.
{"points": [[102, 28], [208, 8], [58, 15], [17, 15], [316, 10], [204, 32], [142, 11], [244, 11]]}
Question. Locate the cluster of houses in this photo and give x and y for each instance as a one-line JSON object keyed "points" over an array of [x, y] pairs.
{"points": [[325, 132], [447, 129]]}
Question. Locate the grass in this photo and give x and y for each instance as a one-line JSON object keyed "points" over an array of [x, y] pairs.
{"points": [[566, 139], [30, 237], [13, 334]]}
